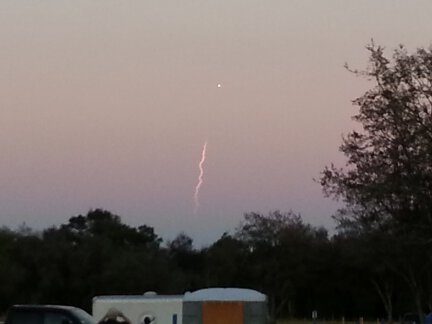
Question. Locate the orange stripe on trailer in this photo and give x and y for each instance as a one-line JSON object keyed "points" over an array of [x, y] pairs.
{"points": [[222, 312]]}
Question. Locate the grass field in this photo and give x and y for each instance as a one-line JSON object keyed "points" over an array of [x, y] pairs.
{"points": [[300, 321]]}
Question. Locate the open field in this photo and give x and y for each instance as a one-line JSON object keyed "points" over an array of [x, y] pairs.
{"points": [[300, 321]]}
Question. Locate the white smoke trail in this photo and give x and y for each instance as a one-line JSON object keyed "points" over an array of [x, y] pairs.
{"points": [[200, 177]]}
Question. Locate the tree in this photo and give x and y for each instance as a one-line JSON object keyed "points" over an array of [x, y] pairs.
{"points": [[182, 243], [281, 252], [386, 185], [12, 273], [104, 224], [91, 254], [188, 262], [226, 263]]}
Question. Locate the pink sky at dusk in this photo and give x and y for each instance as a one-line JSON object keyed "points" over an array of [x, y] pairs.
{"points": [[108, 103]]}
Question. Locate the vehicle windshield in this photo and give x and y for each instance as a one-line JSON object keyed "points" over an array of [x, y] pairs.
{"points": [[84, 317]]}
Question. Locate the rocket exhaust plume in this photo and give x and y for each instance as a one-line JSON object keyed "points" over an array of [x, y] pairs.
{"points": [[200, 178]]}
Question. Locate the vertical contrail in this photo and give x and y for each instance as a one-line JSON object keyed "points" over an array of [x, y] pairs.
{"points": [[200, 177]]}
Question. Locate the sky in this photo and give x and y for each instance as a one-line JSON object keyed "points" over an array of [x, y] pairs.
{"points": [[108, 103]]}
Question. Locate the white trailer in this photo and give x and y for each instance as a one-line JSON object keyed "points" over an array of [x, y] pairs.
{"points": [[141, 309]]}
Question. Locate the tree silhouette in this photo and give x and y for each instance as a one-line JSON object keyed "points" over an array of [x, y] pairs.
{"points": [[387, 182]]}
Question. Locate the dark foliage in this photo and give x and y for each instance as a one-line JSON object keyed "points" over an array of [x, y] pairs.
{"points": [[386, 184], [295, 264]]}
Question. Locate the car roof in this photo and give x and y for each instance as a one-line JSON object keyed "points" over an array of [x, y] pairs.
{"points": [[43, 307]]}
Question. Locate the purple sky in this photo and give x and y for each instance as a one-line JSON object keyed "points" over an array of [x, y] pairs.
{"points": [[108, 103]]}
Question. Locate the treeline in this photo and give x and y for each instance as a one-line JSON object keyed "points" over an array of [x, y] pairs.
{"points": [[297, 265]]}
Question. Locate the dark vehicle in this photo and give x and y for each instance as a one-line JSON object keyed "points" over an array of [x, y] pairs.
{"points": [[47, 314]]}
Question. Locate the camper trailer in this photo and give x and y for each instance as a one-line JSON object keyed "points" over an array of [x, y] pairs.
{"points": [[225, 306], [149, 308], [205, 306]]}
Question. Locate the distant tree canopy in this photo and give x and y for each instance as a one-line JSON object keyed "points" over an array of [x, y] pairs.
{"points": [[94, 254], [281, 248], [386, 184]]}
